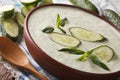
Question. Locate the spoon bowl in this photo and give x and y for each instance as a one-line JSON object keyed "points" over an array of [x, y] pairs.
{"points": [[12, 53]]}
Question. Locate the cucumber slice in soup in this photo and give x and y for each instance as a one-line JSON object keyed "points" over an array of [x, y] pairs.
{"points": [[104, 52], [7, 11], [29, 2], [10, 29], [85, 35], [65, 40]]}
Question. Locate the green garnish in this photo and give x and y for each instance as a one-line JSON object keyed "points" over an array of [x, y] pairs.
{"points": [[48, 30], [84, 56], [63, 22], [97, 61], [72, 51], [62, 30], [58, 21]]}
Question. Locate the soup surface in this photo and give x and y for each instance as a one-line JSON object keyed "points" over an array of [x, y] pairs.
{"points": [[46, 16]]}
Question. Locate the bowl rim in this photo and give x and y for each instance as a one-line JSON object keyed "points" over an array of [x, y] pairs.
{"points": [[26, 31]]}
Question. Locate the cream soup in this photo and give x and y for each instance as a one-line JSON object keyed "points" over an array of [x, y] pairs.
{"points": [[46, 16]]}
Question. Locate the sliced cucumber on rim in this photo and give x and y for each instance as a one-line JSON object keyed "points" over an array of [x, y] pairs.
{"points": [[10, 29], [65, 40], [85, 35], [20, 20], [7, 11], [104, 52], [29, 2]]}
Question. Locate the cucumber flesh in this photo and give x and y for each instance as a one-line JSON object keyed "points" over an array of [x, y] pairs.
{"points": [[65, 40], [10, 29], [104, 52], [7, 11], [29, 2], [85, 35], [6, 8], [25, 11], [20, 20]]}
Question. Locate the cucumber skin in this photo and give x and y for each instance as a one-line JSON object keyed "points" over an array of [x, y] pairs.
{"points": [[112, 17], [86, 4], [8, 36], [104, 46], [7, 14], [4, 33]]}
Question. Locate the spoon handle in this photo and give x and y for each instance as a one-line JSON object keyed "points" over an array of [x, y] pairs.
{"points": [[30, 68]]}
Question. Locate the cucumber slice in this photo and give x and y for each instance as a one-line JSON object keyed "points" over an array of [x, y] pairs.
{"points": [[111, 16], [86, 4], [65, 40], [85, 35], [20, 20], [104, 52], [10, 29], [30, 7], [7, 11], [29, 2], [25, 11]]}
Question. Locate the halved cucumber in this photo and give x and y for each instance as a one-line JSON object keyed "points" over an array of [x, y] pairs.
{"points": [[10, 29], [84, 34], [104, 52], [7, 11], [20, 20], [29, 2], [86, 4], [65, 40], [111, 16]]}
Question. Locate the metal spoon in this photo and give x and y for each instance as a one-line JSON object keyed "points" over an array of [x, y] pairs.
{"points": [[13, 54]]}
